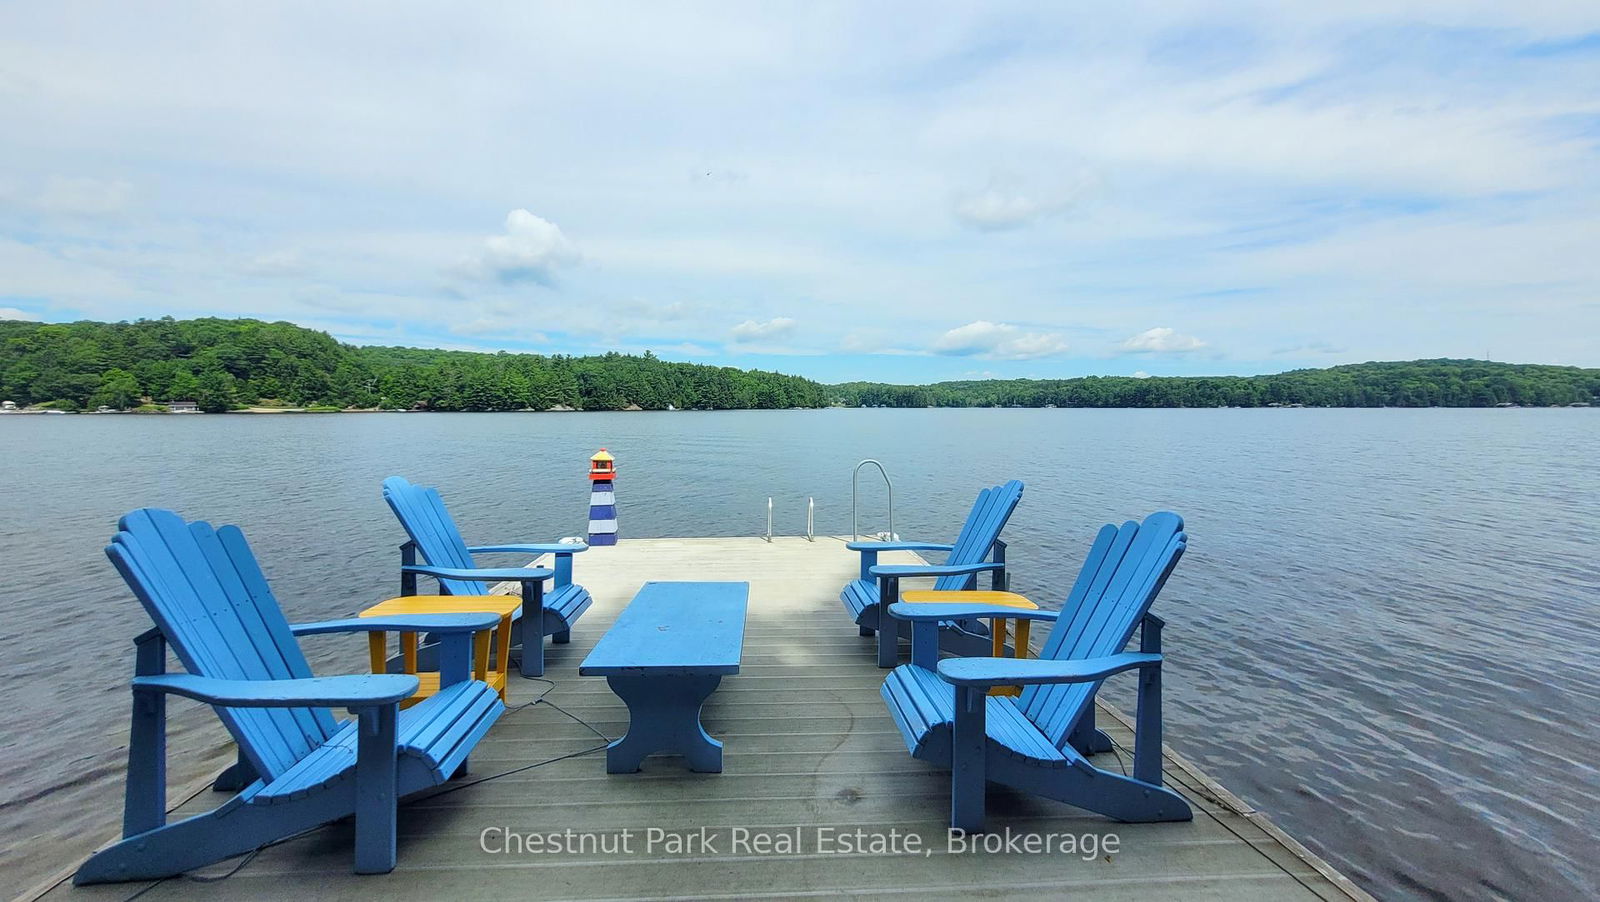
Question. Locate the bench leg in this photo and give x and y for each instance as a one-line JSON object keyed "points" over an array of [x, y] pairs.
{"points": [[664, 716]]}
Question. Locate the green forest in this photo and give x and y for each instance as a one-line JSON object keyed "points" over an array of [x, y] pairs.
{"points": [[1415, 383], [227, 364]]}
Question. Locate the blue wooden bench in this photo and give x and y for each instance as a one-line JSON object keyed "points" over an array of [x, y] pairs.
{"points": [[664, 656], [1039, 741], [450, 561], [298, 765]]}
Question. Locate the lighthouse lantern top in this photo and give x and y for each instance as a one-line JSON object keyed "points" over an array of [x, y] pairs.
{"points": [[602, 466]]}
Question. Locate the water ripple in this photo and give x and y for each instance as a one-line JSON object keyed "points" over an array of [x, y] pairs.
{"points": [[1383, 635]]}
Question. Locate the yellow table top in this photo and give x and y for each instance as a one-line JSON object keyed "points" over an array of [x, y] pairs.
{"points": [[504, 605], [961, 596]]}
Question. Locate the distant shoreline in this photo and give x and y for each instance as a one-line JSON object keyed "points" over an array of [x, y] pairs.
{"points": [[259, 411], [226, 364]]}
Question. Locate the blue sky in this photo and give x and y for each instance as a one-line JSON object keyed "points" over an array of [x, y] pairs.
{"points": [[899, 192]]}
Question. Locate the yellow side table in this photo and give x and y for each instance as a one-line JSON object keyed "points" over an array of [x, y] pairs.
{"points": [[504, 605], [998, 625]]}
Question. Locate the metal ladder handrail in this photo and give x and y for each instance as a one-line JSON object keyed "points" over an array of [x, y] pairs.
{"points": [[855, 505], [811, 520]]}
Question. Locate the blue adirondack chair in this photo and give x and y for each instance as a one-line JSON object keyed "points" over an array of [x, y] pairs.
{"points": [[977, 549], [298, 766], [1039, 741], [449, 560]]}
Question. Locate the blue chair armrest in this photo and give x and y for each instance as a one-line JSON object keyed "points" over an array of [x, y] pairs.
{"points": [[516, 574], [940, 611], [981, 673], [410, 623], [904, 570], [899, 546], [356, 691], [538, 548]]}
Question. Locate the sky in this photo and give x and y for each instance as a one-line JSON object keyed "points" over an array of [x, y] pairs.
{"points": [[897, 192]]}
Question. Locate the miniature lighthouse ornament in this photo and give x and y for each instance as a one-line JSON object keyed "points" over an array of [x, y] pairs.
{"points": [[602, 499]]}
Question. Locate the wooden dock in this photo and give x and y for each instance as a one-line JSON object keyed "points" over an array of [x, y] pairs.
{"points": [[811, 758]]}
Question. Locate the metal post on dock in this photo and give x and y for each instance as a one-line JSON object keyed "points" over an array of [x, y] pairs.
{"points": [[855, 503], [768, 536], [811, 519]]}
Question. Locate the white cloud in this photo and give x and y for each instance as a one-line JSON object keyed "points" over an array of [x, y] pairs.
{"points": [[751, 330], [685, 349], [531, 250], [277, 264], [998, 341], [1396, 180], [1161, 340], [14, 313], [1009, 202], [81, 196], [1309, 348], [994, 209], [865, 341], [1140, 374], [500, 327]]}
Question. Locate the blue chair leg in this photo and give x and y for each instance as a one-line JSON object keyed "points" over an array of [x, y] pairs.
{"points": [[1086, 738], [968, 774], [145, 806], [888, 627], [925, 644], [531, 633], [376, 804], [239, 775]]}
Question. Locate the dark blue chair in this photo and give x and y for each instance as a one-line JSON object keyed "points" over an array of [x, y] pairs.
{"points": [[298, 765], [1038, 742], [450, 561], [977, 549]]}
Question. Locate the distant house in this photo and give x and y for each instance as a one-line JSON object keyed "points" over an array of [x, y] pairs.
{"points": [[8, 405], [183, 407]]}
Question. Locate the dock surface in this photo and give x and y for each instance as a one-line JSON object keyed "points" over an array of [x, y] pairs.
{"points": [[812, 757]]}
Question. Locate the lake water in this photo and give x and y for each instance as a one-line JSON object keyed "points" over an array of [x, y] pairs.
{"points": [[1384, 633]]}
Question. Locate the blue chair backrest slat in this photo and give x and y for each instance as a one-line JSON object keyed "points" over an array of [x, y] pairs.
{"points": [[191, 585], [1120, 579], [263, 618], [1097, 576], [455, 544], [221, 642], [1099, 553], [984, 523], [422, 513]]}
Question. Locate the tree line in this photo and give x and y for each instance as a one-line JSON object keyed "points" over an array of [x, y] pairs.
{"points": [[1416, 383], [223, 364]]}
